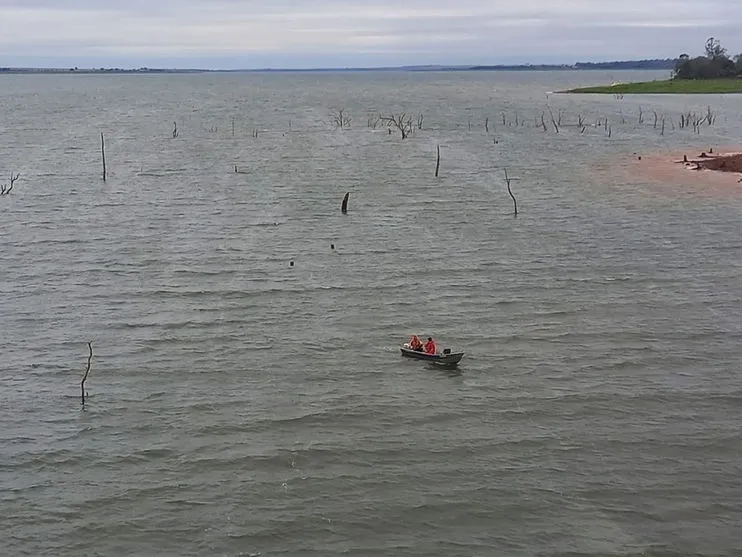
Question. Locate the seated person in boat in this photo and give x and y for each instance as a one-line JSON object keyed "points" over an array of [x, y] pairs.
{"points": [[416, 344], [430, 347]]}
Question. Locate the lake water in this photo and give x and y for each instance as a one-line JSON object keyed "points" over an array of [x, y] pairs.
{"points": [[239, 405]]}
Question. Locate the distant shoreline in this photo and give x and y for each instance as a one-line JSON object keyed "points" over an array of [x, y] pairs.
{"points": [[658, 64]]}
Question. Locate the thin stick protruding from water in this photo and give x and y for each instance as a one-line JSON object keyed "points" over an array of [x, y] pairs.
{"points": [[87, 371], [553, 120], [515, 203], [103, 154], [437, 160]]}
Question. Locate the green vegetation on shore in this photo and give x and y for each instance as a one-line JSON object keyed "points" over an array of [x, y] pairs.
{"points": [[672, 86], [713, 73]]}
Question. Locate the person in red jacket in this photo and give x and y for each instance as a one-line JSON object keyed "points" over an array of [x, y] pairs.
{"points": [[416, 344], [430, 347]]}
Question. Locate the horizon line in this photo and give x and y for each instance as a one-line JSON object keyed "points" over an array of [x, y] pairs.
{"points": [[404, 67]]}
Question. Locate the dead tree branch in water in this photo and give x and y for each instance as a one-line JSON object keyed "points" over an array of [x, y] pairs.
{"points": [[5, 189], [87, 371], [344, 206], [401, 121], [553, 120], [437, 159], [487, 124], [103, 154], [175, 130], [420, 121], [515, 203], [340, 119]]}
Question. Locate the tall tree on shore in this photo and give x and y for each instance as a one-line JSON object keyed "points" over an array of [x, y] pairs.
{"points": [[715, 64], [714, 49]]}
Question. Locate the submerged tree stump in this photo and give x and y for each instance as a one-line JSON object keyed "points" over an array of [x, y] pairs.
{"points": [[344, 206]]}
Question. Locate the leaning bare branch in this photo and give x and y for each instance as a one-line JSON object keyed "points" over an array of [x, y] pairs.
{"points": [[515, 203], [6, 189], [553, 120]]}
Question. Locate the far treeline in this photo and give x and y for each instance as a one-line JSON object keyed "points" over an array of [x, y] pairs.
{"points": [[714, 65]]}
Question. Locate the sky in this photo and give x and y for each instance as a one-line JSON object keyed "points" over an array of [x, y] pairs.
{"points": [[249, 34]]}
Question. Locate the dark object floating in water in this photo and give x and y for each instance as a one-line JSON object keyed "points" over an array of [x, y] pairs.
{"points": [[291, 263], [332, 246], [344, 206], [447, 359]]}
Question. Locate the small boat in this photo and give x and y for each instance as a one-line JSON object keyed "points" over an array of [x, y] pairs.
{"points": [[447, 358]]}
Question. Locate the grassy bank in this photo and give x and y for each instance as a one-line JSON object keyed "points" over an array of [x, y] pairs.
{"points": [[676, 86]]}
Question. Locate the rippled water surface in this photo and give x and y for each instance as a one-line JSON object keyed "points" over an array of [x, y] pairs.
{"points": [[239, 405]]}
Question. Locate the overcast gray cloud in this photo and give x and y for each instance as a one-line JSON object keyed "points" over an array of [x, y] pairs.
{"points": [[306, 33]]}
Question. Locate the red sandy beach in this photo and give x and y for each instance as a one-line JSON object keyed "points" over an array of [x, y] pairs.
{"points": [[706, 169]]}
